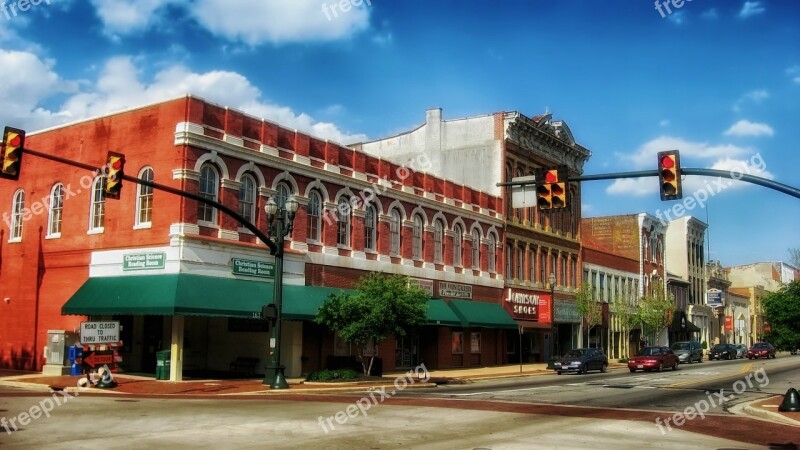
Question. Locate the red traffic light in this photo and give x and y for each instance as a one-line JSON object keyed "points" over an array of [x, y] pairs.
{"points": [[551, 176], [12, 146], [669, 175]]}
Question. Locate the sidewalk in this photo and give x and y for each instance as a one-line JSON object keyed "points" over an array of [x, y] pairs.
{"points": [[768, 409], [148, 386]]}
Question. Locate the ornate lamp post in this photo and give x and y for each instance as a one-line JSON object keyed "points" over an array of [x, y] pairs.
{"points": [[553, 357], [279, 225]]}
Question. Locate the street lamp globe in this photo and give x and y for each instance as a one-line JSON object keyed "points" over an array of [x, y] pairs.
{"points": [[292, 205], [271, 207], [552, 279]]}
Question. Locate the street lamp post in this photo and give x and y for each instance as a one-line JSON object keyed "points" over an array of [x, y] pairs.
{"points": [[279, 225], [553, 357]]}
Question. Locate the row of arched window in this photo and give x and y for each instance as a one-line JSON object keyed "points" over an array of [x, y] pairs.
{"points": [[54, 205]]}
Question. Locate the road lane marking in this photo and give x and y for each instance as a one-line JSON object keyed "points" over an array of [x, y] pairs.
{"points": [[746, 368], [502, 391]]}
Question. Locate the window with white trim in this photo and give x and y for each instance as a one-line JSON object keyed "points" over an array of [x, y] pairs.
{"points": [[17, 211], [344, 214], [97, 213], [144, 199], [476, 249], [56, 211], [394, 231], [314, 216], [370, 227], [458, 245], [209, 188], [492, 254], [247, 198], [417, 241], [438, 241]]}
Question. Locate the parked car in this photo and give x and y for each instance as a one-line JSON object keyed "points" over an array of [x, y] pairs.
{"points": [[581, 360], [722, 351], [653, 358], [741, 351], [761, 350], [688, 351]]}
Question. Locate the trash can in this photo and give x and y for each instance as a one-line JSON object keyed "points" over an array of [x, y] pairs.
{"points": [[162, 364]]}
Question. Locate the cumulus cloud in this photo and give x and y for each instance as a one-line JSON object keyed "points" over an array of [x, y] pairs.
{"points": [[31, 82], [755, 96], [794, 72], [747, 128], [721, 157], [251, 22], [750, 9]]}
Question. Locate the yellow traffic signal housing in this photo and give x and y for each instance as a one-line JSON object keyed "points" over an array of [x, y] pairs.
{"points": [[669, 175], [551, 188], [13, 143], [115, 167]]}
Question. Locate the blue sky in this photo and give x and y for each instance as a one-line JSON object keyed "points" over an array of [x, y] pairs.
{"points": [[717, 80]]}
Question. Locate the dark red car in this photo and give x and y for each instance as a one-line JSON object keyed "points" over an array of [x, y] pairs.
{"points": [[761, 350], [653, 358]]}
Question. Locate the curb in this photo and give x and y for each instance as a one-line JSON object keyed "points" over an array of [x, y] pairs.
{"points": [[750, 410]]}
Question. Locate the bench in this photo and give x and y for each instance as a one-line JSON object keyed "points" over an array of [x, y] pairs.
{"points": [[244, 365]]}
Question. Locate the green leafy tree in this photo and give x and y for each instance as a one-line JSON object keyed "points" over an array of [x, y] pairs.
{"points": [[590, 310], [626, 310], [381, 306], [782, 312], [655, 310]]}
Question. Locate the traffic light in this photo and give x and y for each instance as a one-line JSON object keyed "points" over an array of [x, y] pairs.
{"points": [[114, 171], [669, 175], [551, 188], [13, 143]]}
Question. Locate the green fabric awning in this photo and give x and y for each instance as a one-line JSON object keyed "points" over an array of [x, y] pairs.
{"points": [[190, 295], [441, 314], [481, 314]]}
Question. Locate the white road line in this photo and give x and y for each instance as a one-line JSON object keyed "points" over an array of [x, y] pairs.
{"points": [[503, 391]]}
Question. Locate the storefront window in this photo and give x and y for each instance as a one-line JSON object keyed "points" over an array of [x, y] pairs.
{"points": [[457, 343], [475, 342]]}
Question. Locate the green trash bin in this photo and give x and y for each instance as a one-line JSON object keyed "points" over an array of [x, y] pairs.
{"points": [[162, 364]]}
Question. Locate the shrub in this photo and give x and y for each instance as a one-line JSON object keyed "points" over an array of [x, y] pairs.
{"points": [[704, 344], [623, 360], [332, 375]]}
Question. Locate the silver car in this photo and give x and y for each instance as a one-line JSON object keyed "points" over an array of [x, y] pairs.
{"points": [[688, 351], [741, 351]]}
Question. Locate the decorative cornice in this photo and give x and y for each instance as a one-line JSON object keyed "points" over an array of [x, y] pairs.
{"points": [[527, 135]]}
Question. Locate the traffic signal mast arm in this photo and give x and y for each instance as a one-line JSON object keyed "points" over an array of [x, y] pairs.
{"points": [[780, 187], [273, 249]]}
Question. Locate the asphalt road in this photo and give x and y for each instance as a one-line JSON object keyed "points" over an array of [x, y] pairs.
{"points": [[594, 411]]}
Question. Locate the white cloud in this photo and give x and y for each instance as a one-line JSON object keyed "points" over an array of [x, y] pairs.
{"points": [[710, 14], [258, 21], [794, 72], [29, 82], [664, 123], [747, 128], [645, 157], [251, 22], [755, 96], [128, 16], [750, 9], [678, 17]]}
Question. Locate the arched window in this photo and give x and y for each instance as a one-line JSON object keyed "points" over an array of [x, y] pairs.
{"points": [[314, 216], [417, 241], [282, 194], [438, 241], [458, 245], [394, 230], [97, 213], [144, 200], [247, 198], [370, 228], [492, 254], [476, 249], [17, 210], [54, 215], [209, 188], [343, 215]]}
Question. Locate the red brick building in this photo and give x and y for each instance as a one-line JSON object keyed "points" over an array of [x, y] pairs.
{"points": [[180, 275]]}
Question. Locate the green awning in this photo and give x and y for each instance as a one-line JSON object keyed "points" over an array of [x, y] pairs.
{"points": [[441, 314], [190, 295], [482, 314]]}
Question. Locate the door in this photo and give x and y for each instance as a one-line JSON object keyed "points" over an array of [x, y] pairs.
{"points": [[405, 352], [152, 336]]}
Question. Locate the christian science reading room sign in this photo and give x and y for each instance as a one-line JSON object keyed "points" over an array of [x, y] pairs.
{"points": [[253, 268], [526, 305], [144, 261]]}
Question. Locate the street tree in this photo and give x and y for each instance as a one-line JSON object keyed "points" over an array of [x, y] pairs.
{"points": [[381, 306], [655, 310], [588, 307], [626, 310], [782, 312]]}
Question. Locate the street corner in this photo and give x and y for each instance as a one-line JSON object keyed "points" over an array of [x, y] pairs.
{"points": [[767, 409]]}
